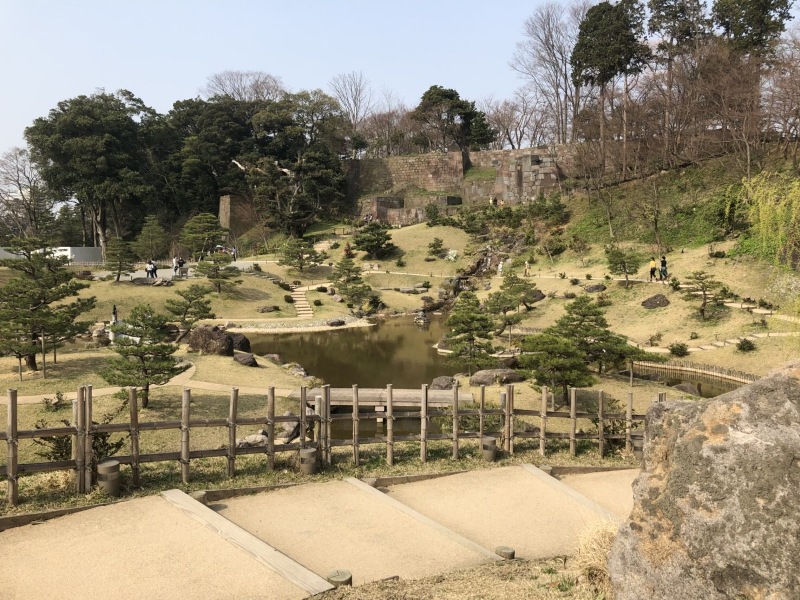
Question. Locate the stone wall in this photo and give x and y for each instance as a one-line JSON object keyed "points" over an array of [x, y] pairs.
{"points": [[236, 214]]}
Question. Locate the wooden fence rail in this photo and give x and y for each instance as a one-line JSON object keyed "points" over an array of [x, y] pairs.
{"points": [[609, 426], [678, 367]]}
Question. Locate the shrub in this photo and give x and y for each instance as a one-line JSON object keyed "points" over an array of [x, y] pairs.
{"points": [[322, 289], [284, 286], [607, 277], [717, 254], [745, 345], [679, 349], [655, 338], [574, 281], [317, 302], [569, 295], [400, 262], [694, 335], [675, 284], [603, 299], [287, 298], [257, 267], [54, 404], [588, 276], [335, 245], [562, 275]]}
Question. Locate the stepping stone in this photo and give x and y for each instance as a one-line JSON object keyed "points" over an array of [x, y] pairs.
{"points": [[707, 347], [719, 344]]}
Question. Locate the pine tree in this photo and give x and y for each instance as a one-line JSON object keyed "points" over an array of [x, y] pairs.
{"points": [[701, 286], [556, 361], [202, 233], [144, 359], [300, 254], [193, 306], [152, 241], [219, 272], [349, 282], [119, 257], [470, 332]]}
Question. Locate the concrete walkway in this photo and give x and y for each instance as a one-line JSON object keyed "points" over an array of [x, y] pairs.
{"points": [[284, 543]]}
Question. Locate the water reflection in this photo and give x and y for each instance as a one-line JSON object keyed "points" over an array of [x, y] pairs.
{"points": [[395, 351]]}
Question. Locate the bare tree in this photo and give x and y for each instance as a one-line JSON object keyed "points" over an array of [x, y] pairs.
{"points": [[388, 130], [543, 58], [25, 205], [521, 121], [354, 94], [244, 85]]}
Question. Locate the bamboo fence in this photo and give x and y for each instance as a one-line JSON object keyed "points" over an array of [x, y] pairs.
{"points": [[83, 463], [683, 367]]}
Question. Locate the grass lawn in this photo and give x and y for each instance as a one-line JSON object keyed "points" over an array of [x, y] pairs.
{"points": [[223, 369], [74, 369]]}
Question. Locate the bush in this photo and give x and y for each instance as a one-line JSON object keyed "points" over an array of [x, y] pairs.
{"points": [[335, 246], [569, 295], [284, 286], [588, 276], [257, 267], [55, 404], [287, 298], [562, 275], [717, 254], [400, 262], [574, 281], [694, 335], [317, 302], [745, 345], [679, 349], [322, 289], [603, 299], [675, 284], [655, 338]]}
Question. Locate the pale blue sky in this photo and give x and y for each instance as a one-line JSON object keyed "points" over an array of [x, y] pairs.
{"points": [[163, 51]]}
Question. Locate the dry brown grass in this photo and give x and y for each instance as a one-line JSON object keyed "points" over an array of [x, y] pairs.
{"points": [[73, 370], [591, 556]]}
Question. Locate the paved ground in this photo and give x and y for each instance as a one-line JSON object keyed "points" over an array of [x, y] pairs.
{"points": [[155, 548]]}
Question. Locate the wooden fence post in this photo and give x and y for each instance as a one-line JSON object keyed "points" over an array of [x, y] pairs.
{"points": [[504, 428], [88, 458], [319, 426], [13, 449], [302, 421], [355, 425], [133, 404], [271, 428], [185, 402], [481, 414], [600, 423], [573, 420], [233, 411], [629, 423], [455, 421], [423, 424], [74, 450], [543, 428], [510, 401], [389, 425], [327, 398], [81, 442]]}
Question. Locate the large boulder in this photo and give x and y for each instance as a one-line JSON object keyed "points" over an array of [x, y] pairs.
{"points": [[717, 504], [495, 376], [444, 382], [657, 301], [210, 339], [245, 359], [240, 342]]}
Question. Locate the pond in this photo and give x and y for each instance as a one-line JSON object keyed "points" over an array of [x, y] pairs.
{"points": [[394, 351]]}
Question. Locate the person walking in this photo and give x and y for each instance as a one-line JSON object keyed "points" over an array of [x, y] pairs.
{"points": [[174, 265], [653, 267], [662, 272]]}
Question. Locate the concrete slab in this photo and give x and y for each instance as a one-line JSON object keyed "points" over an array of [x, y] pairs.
{"points": [[504, 507], [610, 489], [143, 548], [336, 525]]}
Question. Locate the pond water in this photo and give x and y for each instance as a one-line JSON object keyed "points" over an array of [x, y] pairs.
{"points": [[394, 351]]}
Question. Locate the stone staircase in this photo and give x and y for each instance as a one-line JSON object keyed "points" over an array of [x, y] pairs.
{"points": [[304, 310]]}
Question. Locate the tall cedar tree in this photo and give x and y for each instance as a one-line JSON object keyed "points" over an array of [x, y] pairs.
{"points": [[144, 359], [152, 242]]}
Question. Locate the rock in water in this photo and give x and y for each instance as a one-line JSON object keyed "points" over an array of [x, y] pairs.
{"points": [[717, 505]]}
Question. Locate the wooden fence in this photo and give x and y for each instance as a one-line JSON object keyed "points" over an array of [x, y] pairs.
{"points": [[679, 367], [82, 430]]}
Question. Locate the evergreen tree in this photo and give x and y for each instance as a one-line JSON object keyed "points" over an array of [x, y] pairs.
{"points": [[701, 286], [193, 306], [584, 325], [623, 262], [470, 332], [144, 359], [349, 282], [375, 240], [152, 242], [220, 273], [300, 254], [119, 258], [555, 361], [202, 233], [33, 304]]}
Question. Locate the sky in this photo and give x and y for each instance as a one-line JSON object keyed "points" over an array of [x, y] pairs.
{"points": [[164, 51]]}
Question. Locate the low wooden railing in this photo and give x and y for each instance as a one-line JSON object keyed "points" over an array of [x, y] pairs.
{"points": [[82, 430]]}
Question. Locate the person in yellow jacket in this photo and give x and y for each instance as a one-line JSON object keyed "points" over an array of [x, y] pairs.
{"points": [[653, 267]]}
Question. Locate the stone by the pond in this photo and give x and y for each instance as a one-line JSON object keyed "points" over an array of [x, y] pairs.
{"points": [[494, 376], [296, 369], [717, 505], [210, 339], [245, 359], [657, 301], [688, 387], [337, 298], [274, 358], [335, 322], [595, 287], [442, 383], [240, 342]]}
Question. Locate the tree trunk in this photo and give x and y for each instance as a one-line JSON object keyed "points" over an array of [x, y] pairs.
{"points": [[145, 395], [30, 362], [602, 131], [625, 130]]}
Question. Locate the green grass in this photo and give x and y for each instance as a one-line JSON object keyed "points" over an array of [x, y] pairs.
{"points": [[480, 174], [74, 368]]}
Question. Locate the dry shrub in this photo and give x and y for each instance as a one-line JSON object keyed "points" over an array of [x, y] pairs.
{"points": [[591, 555]]}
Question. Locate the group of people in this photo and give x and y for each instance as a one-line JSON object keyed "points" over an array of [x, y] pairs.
{"points": [[151, 270], [177, 264], [658, 270]]}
